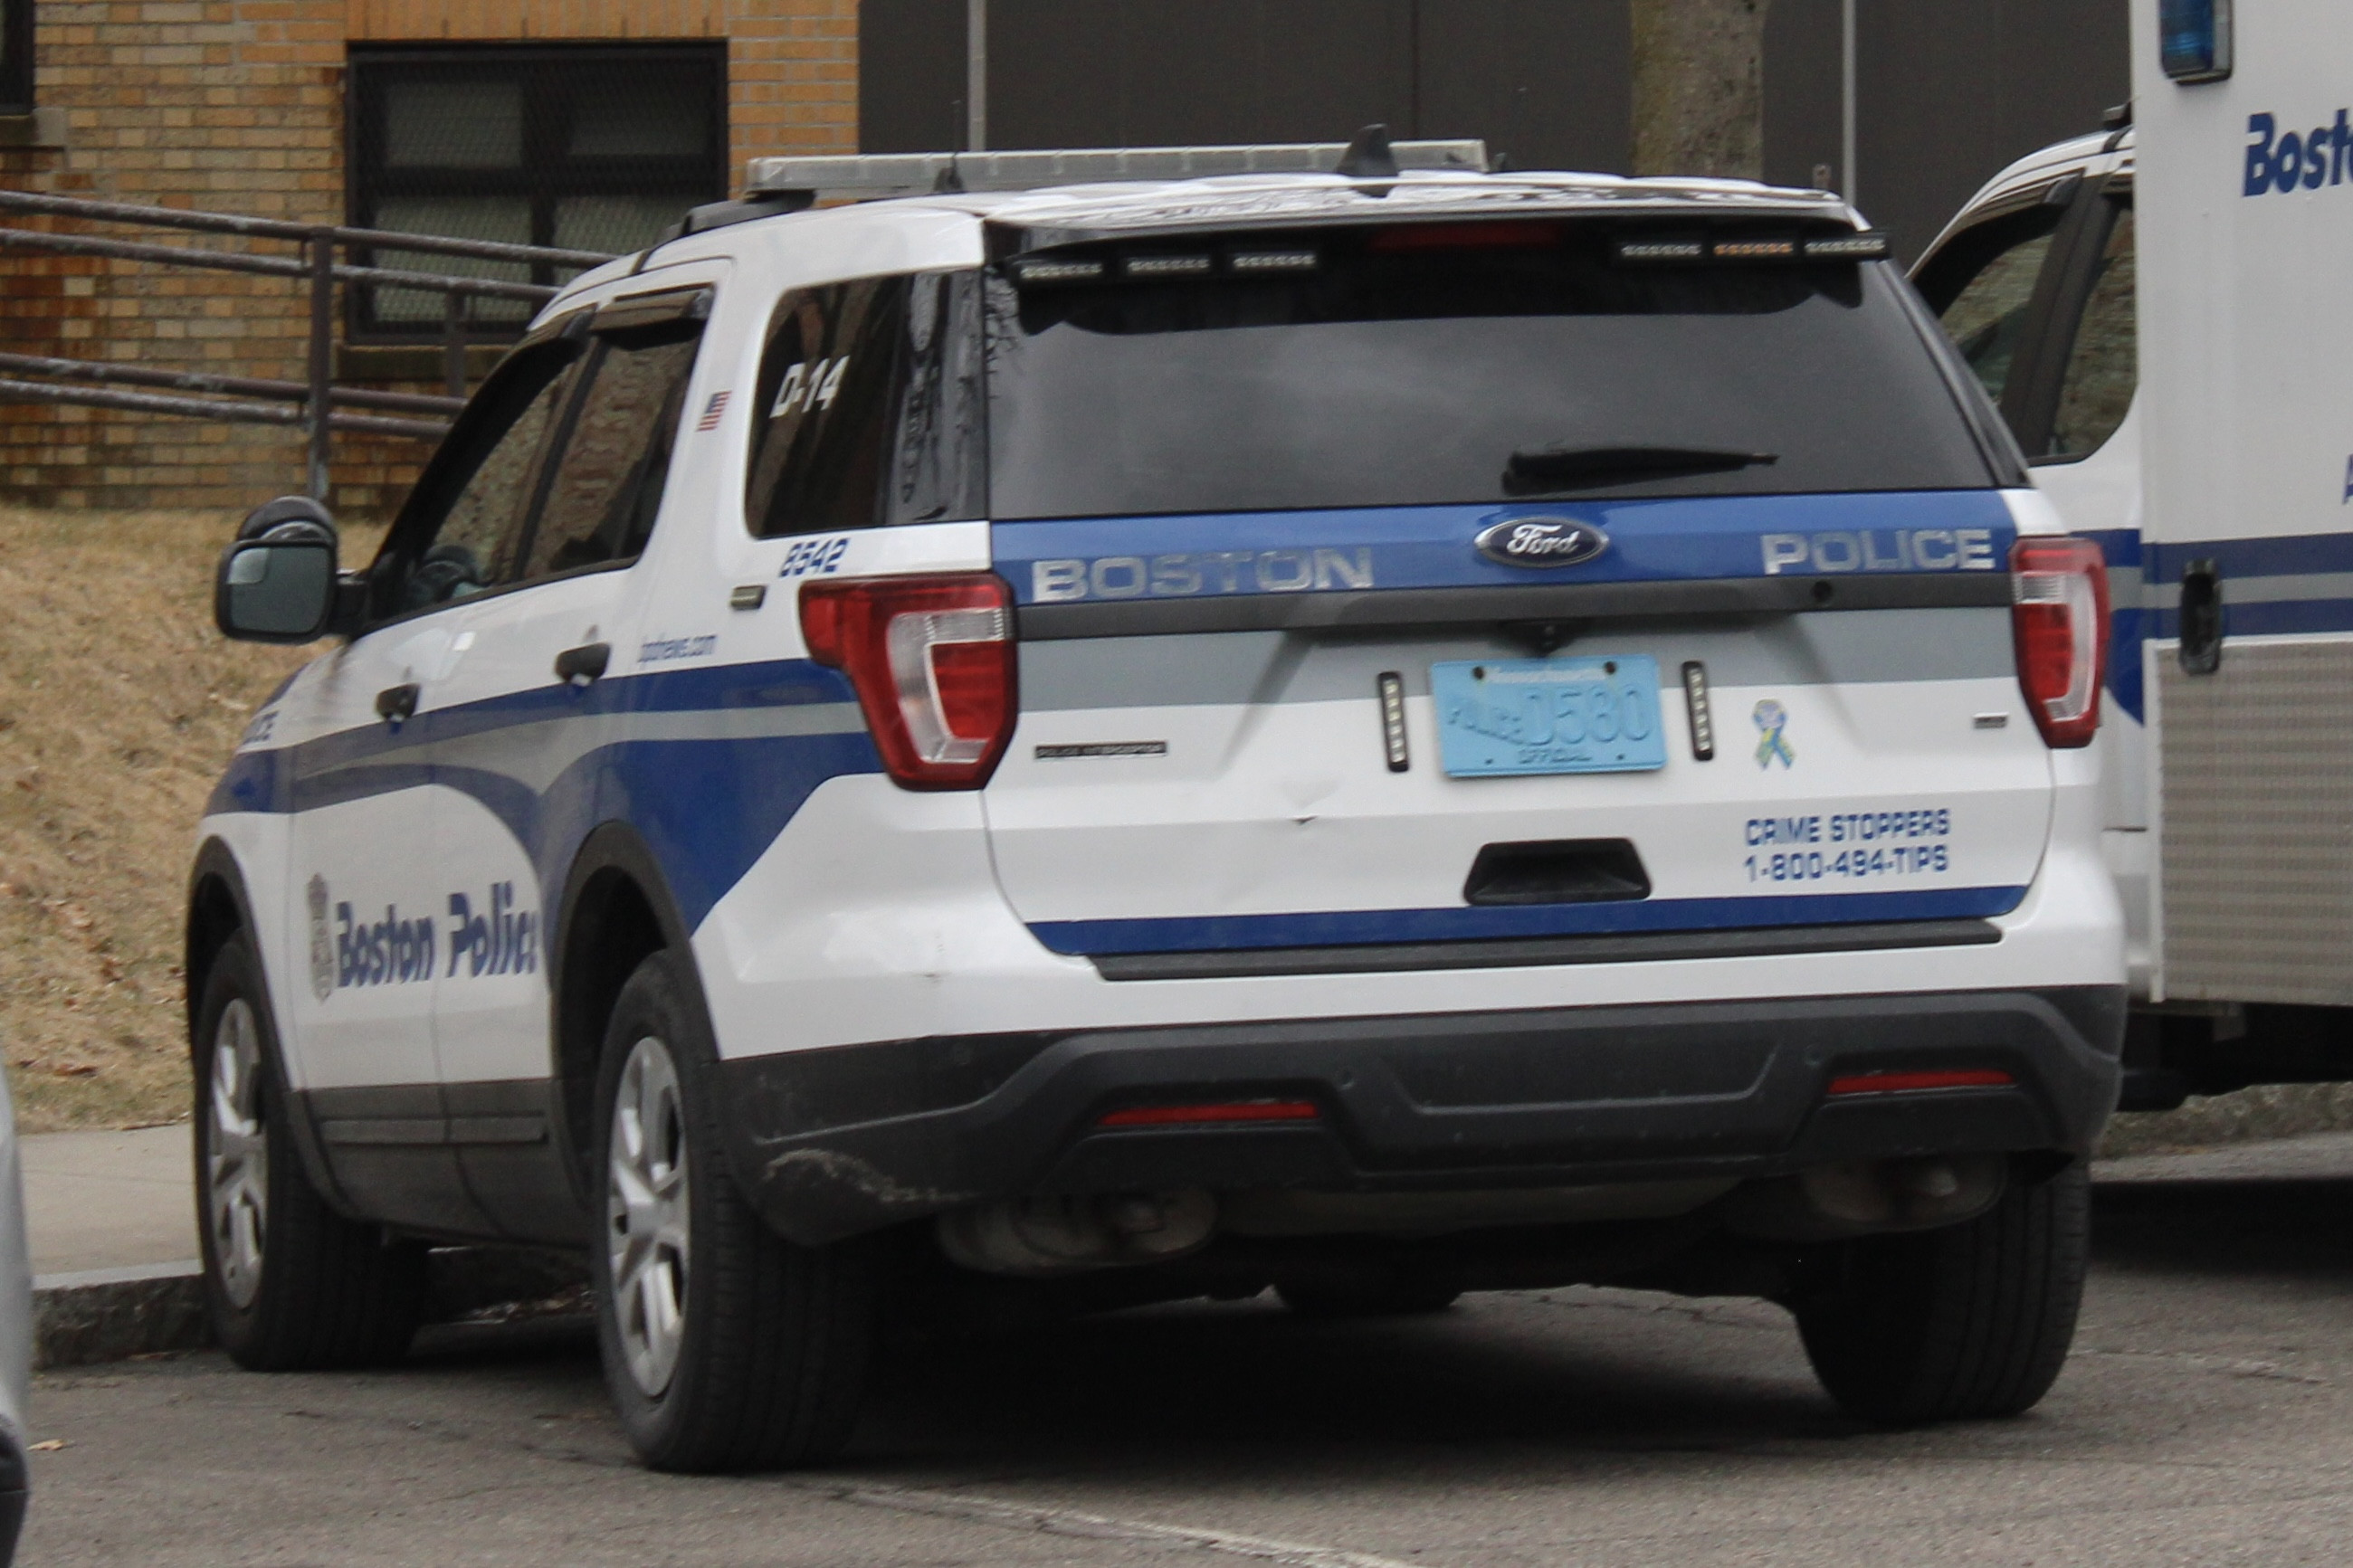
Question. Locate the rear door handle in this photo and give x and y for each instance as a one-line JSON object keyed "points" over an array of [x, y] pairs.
{"points": [[579, 666], [394, 703]]}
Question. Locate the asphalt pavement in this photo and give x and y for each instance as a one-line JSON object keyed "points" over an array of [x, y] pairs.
{"points": [[2206, 1417]]}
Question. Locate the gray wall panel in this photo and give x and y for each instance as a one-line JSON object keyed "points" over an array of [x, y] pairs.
{"points": [[1176, 72], [910, 75], [1948, 91], [1548, 83]]}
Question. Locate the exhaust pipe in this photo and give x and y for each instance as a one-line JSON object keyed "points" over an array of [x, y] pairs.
{"points": [[1868, 1197], [1036, 1237]]}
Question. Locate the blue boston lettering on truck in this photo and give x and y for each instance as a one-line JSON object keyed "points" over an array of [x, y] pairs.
{"points": [[2283, 161], [1105, 559]]}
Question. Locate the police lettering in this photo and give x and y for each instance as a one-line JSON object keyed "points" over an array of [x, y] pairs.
{"points": [[1880, 550], [496, 939]]}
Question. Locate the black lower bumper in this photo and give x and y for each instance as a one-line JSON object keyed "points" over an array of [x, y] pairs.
{"points": [[834, 1142]]}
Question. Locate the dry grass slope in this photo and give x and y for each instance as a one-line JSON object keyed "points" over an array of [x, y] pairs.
{"points": [[118, 704]]}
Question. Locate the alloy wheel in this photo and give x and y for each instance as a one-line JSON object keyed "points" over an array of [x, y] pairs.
{"points": [[236, 1153], [645, 1206]]}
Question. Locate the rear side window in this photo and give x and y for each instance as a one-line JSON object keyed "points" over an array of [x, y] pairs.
{"points": [[2104, 362], [1455, 364], [870, 407], [1982, 284]]}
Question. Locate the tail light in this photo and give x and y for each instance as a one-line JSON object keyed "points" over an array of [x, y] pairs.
{"points": [[2059, 617], [932, 661]]}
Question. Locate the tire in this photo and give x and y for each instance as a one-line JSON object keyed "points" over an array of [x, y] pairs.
{"points": [[1376, 1292], [1967, 1322], [725, 1347], [290, 1285]]}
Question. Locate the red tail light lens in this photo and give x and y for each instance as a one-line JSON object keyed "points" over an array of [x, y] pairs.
{"points": [[1223, 1112], [1912, 1082], [2059, 618], [932, 659]]}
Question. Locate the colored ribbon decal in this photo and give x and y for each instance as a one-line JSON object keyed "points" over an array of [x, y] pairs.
{"points": [[1771, 719]]}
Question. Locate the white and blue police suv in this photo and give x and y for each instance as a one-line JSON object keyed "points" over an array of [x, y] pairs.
{"points": [[1373, 733]]}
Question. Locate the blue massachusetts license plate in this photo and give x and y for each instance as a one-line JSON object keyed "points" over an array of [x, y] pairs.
{"points": [[1503, 716]]}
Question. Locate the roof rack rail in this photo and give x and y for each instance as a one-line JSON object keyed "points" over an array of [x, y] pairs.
{"points": [[870, 175]]}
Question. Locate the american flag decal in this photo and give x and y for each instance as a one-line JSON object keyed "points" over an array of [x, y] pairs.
{"points": [[711, 411]]}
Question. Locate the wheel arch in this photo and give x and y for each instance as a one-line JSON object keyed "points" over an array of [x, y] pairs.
{"points": [[617, 910], [219, 907]]}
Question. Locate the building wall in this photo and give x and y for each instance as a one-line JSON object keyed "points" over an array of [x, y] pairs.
{"points": [[237, 106], [1948, 92]]}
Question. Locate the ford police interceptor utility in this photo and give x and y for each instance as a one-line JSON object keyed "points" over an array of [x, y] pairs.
{"points": [[2202, 443], [1376, 733]]}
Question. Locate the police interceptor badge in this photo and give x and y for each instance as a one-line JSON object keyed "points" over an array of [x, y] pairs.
{"points": [[1540, 541]]}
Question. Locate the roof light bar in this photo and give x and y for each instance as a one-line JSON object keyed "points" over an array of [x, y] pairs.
{"points": [[1869, 245], [1866, 245], [1167, 266], [1040, 270], [1661, 250], [867, 176], [1256, 262]]}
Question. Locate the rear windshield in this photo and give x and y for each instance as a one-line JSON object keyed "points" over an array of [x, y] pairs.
{"points": [[1463, 364]]}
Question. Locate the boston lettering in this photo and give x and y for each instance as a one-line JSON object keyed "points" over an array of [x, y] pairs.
{"points": [[490, 937], [2283, 161]]}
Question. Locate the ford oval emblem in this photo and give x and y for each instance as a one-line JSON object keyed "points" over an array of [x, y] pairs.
{"points": [[1540, 541]]}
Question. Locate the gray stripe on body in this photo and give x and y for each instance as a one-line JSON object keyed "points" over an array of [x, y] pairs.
{"points": [[1853, 648], [534, 755], [2285, 589]]}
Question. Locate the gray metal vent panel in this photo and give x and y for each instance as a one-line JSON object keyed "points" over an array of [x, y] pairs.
{"points": [[2257, 855]]}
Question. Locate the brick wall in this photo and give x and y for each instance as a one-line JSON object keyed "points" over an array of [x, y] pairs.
{"points": [[237, 106]]}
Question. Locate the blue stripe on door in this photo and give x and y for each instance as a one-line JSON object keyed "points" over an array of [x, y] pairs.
{"points": [[1355, 928]]}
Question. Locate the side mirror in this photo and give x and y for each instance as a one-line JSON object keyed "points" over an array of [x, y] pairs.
{"points": [[275, 590]]}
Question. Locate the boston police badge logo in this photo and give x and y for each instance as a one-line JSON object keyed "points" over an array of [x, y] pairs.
{"points": [[322, 946]]}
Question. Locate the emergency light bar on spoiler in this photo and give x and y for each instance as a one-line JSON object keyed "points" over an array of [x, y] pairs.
{"points": [[867, 176]]}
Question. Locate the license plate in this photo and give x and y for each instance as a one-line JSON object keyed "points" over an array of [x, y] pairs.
{"points": [[1505, 716]]}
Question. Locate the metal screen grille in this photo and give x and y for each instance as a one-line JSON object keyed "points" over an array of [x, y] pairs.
{"points": [[584, 147], [2257, 853]]}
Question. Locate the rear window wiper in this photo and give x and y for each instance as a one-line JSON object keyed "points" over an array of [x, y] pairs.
{"points": [[1582, 467]]}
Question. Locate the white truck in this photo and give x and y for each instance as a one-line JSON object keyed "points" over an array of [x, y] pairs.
{"points": [[2158, 313]]}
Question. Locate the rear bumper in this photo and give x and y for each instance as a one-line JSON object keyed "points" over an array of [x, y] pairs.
{"points": [[836, 1141]]}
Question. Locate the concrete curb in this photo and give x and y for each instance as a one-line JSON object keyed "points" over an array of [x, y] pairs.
{"points": [[106, 1314], [111, 1314]]}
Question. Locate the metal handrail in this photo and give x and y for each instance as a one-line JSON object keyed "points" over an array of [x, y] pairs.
{"points": [[316, 395], [245, 386], [214, 409], [279, 228], [272, 266]]}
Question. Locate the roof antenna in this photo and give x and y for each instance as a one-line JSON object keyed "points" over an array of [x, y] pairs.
{"points": [[1369, 156]]}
